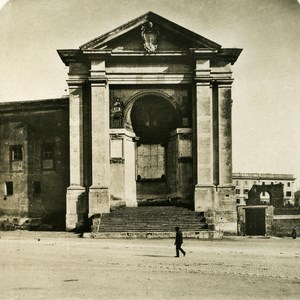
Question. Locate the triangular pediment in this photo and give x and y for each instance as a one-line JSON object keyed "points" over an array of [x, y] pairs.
{"points": [[150, 32]]}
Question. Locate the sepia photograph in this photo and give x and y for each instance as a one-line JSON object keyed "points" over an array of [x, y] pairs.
{"points": [[149, 149]]}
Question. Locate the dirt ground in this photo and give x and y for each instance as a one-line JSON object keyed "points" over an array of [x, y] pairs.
{"points": [[40, 265]]}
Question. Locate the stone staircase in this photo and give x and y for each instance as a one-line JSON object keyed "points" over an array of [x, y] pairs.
{"points": [[150, 221]]}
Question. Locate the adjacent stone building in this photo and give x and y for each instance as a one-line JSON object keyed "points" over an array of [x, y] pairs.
{"points": [[148, 117], [244, 182], [34, 158]]}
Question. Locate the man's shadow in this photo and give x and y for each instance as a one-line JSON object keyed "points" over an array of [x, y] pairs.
{"points": [[151, 255]]}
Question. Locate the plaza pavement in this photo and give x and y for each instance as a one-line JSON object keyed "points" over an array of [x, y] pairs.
{"points": [[60, 265]]}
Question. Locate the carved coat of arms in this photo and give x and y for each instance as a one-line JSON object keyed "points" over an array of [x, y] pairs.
{"points": [[150, 36]]}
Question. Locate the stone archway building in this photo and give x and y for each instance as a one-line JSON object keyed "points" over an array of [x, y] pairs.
{"points": [[170, 66]]}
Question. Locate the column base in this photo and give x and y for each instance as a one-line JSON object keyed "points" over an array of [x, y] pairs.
{"points": [[71, 222], [203, 197], [132, 202], [219, 207], [76, 208], [226, 215], [98, 200]]}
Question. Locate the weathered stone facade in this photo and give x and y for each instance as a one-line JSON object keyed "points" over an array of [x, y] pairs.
{"points": [[179, 147], [34, 158], [149, 118]]}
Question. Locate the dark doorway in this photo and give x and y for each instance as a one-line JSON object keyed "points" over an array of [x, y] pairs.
{"points": [[255, 221], [153, 118]]}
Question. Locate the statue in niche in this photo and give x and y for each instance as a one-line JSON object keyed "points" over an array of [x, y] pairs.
{"points": [[117, 109], [150, 36], [116, 114]]}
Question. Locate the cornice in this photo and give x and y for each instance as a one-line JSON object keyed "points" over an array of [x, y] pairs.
{"points": [[223, 54], [71, 56], [96, 54], [229, 54], [85, 56]]}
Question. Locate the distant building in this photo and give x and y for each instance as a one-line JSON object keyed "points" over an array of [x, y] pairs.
{"points": [[244, 181]]}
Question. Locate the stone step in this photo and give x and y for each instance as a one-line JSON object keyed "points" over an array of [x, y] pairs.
{"points": [[150, 219]]}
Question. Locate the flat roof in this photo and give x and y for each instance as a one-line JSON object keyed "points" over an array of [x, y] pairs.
{"points": [[260, 176]]}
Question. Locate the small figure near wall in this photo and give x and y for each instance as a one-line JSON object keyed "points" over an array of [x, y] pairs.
{"points": [[294, 233]]}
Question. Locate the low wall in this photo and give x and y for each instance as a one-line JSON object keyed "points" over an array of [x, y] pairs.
{"points": [[282, 225]]}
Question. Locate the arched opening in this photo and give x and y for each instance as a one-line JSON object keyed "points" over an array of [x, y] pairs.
{"points": [[265, 197], [152, 118]]}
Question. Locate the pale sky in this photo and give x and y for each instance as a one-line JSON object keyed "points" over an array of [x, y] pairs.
{"points": [[266, 101]]}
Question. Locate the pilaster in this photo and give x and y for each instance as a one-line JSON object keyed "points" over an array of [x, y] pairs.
{"points": [[99, 195], [226, 216], [225, 133], [180, 147], [203, 136], [76, 198]]}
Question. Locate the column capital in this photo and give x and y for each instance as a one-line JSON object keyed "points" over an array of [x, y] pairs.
{"points": [[75, 83], [98, 81], [224, 82], [203, 81]]}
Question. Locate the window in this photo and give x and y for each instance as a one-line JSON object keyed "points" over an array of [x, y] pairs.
{"points": [[48, 155], [37, 189], [237, 191], [246, 182], [9, 186], [16, 152], [263, 183], [48, 151], [288, 184], [238, 201], [288, 194], [246, 191], [237, 182]]}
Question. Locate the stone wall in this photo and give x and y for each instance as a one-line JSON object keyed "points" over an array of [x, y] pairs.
{"points": [[41, 179], [283, 224]]}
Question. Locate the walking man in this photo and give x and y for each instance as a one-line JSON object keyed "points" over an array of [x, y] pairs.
{"points": [[178, 242]]}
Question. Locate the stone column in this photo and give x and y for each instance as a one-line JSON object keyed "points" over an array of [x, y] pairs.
{"points": [[225, 202], [225, 134], [203, 134], [99, 191], [75, 192]]}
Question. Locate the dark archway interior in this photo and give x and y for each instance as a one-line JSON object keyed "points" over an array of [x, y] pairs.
{"points": [[152, 119]]}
